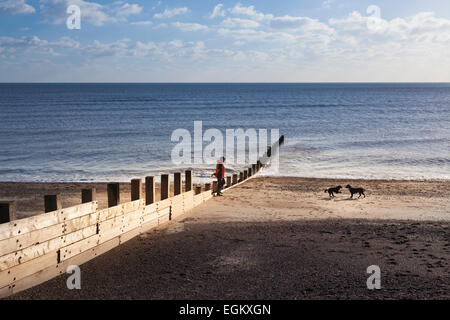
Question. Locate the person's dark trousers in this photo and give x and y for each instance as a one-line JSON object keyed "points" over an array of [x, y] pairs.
{"points": [[219, 185]]}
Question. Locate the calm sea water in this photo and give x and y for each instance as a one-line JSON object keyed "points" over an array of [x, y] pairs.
{"points": [[115, 132]]}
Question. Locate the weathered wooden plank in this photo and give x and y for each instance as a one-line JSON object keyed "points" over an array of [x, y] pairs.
{"points": [[35, 237], [120, 210], [177, 210], [116, 232], [150, 208], [164, 204], [177, 200], [27, 254], [163, 219], [149, 218], [188, 204], [79, 247], [206, 195], [6, 291], [130, 235], [145, 227], [198, 199], [106, 225], [132, 206], [58, 269], [107, 230], [18, 227], [109, 213], [189, 194], [28, 268]]}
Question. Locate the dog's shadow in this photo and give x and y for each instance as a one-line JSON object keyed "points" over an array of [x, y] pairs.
{"points": [[346, 199]]}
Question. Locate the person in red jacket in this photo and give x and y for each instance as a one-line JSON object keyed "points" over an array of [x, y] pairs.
{"points": [[220, 175]]}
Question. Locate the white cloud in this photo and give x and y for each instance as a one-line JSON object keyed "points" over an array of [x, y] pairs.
{"points": [[423, 28], [239, 23], [327, 4], [142, 23], [217, 12], [251, 35], [15, 7], [128, 10], [34, 45], [169, 13], [187, 27], [299, 23], [343, 48], [250, 12], [160, 26], [99, 49]]}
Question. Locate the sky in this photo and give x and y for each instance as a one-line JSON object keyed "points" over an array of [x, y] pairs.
{"points": [[226, 41]]}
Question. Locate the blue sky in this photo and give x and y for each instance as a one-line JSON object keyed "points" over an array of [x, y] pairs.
{"points": [[225, 41]]}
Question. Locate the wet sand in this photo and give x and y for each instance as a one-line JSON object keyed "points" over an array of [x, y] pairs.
{"points": [[281, 238]]}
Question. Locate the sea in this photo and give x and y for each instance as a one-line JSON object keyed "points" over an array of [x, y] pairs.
{"points": [[116, 132]]}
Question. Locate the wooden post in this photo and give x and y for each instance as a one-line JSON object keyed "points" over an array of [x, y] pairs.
{"points": [[245, 174], [250, 172], [113, 191], [198, 189], [177, 183], [228, 181], [7, 211], [269, 152], [235, 178], [259, 165], [188, 181], [136, 189], [281, 141], [207, 186], [214, 189], [254, 168], [241, 176], [164, 186], [149, 190], [52, 202], [88, 195]]}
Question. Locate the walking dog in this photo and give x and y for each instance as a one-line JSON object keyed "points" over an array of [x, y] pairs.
{"points": [[355, 191]]}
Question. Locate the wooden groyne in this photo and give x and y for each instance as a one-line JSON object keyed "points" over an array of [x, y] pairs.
{"points": [[36, 249]]}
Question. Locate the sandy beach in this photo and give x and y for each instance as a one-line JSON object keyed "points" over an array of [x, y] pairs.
{"points": [[272, 238]]}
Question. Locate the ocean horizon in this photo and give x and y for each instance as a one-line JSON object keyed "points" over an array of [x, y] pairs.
{"points": [[98, 132]]}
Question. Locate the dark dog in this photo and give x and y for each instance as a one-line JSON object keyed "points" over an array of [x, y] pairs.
{"points": [[332, 191], [355, 191]]}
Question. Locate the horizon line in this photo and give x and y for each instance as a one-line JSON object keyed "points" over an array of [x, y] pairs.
{"points": [[231, 82]]}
